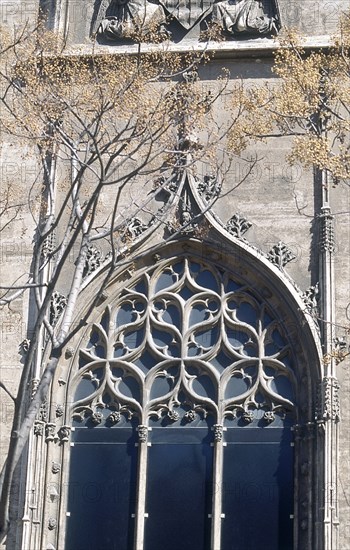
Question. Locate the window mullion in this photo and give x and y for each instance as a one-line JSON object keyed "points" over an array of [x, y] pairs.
{"points": [[217, 488], [140, 512]]}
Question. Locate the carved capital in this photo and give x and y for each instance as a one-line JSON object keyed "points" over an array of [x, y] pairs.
{"points": [[50, 430], [143, 433], [39, 427], [64, 433], [218, 432]]}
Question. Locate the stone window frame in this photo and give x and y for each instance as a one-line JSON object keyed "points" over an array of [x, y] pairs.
{"points": [[50, 446]]}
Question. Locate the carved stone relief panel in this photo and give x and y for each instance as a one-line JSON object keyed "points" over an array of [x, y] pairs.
{"points": [[117, 20]]}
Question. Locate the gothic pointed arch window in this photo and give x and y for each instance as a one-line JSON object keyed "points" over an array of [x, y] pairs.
{"points": [[185, 398]]}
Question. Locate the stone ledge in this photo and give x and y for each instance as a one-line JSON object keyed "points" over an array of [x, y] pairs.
{"points": [[232, 48]]}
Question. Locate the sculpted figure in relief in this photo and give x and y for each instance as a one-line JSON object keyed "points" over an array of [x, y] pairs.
{"points": [[118, 19]]}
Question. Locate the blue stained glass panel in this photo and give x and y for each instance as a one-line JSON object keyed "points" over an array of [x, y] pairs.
{"points": [[179, 493], [101, 496], [258, 489]]}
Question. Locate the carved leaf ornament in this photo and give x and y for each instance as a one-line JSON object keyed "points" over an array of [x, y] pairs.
{"points": [[185, 340]]}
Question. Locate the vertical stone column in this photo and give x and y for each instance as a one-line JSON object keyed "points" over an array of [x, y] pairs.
{"points": [[328, 413], [217, 487], [140, 512]]}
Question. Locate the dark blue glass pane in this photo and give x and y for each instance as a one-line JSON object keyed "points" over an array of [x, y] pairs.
{"points": [[130, 387], [146, 361], [198, 314], [207, 338], [101, 495], [207, 280], [178, 496], [204, 386], [282, 386], [133, 339], [161, 386], [246, 313], [232, 286], [84, 389], [258, 490], [165, 280], [186, 292], [125, 315], [237, 385], [172, 315], [221, 361]]}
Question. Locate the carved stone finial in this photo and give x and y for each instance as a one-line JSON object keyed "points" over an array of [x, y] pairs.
{"points": [[48, 245], [327, 240], [209, 187], [93, 260], [329, 404], [135, 228], [310, 299], [237, 226], [58, 303], [280, 255]]}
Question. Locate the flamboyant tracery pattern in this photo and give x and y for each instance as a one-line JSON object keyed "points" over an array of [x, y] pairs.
{"points": [[186, 341]]}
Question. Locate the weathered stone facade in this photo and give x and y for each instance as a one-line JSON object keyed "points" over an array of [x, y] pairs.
{"points": [[275, 230]]}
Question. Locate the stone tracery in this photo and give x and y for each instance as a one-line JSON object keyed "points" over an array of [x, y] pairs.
{"points": [[185, 339]]}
